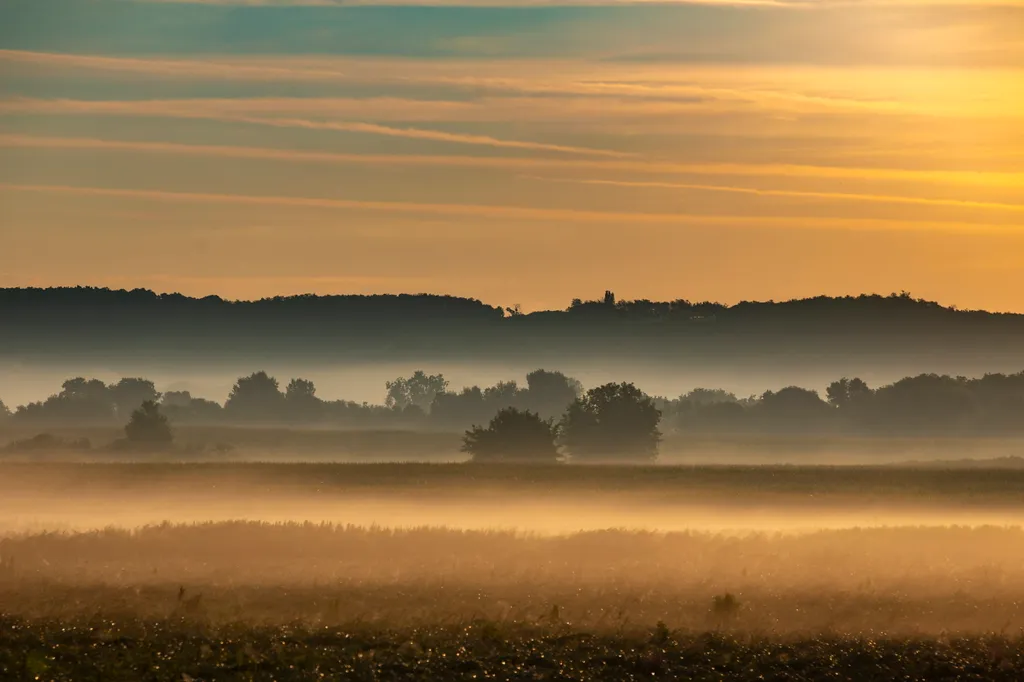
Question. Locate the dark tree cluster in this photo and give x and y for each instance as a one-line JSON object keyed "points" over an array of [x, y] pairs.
{"points": [[606, 422], [613, 422], [41, 323], [546, 392], [147, 426], [923, 405], [90, 401]]}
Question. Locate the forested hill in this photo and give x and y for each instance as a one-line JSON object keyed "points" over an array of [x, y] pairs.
{"points": [[69, 321]]}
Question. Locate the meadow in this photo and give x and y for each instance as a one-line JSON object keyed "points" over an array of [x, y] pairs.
{"points": [[291, 444], [193, 571]]}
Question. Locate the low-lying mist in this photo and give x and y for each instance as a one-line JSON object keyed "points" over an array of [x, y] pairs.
{"points": [[769, 550], [898, 580]]}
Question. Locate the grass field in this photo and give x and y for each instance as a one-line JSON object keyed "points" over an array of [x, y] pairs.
{"points": [[296, 444], [551, 499], [509, 572], [164, 651], [251, 601]]}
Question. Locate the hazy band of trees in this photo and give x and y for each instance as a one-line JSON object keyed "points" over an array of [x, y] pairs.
{"points": [[616, 417], [37, 323]]}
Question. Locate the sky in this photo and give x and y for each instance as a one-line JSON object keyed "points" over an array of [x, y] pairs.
{"points": [[520, 153]]}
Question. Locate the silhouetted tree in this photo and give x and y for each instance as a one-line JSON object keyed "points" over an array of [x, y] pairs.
{"points": [[127, 394], [613, 421], [419, 390], [147, 426], [4, 412], [793, 408], [708, 396], [175, 399], [550, 393], [513, 435], [927, 403], [1000, 401], [256, 396], [86, 400], [300, 390], [503, 394], [80, 401], [847, 393], [460, 409], [301, 401]]}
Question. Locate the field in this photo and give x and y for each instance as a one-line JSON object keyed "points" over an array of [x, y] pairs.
{"points": [[308, 444], [432, 571], [176, 652]]}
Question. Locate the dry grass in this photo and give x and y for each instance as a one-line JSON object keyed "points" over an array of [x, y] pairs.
{"points": [[907, 581], [257, 600]]}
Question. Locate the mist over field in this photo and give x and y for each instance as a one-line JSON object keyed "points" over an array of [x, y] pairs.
{"points": [[511, 340], [408, 550]]}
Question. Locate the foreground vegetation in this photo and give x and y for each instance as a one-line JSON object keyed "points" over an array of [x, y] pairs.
{"points": [[256, 601], [249, 600], [871, 581], [178, 651]]}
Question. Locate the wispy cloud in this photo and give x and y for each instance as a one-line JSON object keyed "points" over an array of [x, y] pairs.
{"points": [[523, 213], [967, 178], [800, 194], [527, 87], [589, 102], [199, 109], [193, 68]]}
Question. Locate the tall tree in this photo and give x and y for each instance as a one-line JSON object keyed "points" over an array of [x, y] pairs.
{"points": [[300, 398], [256, 396], [129, 393], [81, 399], [613, 421], [550, 393], [847, 393], [147, 426], [418, 390]]}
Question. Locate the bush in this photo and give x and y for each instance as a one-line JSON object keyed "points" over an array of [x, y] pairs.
{"points": [[148, 426], [513, 435]]}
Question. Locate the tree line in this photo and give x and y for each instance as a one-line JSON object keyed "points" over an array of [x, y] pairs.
{"points": [[923, 405], [93, 321]]}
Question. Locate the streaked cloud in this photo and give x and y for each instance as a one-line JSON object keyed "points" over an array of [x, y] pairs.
{"points": [[968, 178], [520, 213], [215, 111], [525, 88], [767, 192]]}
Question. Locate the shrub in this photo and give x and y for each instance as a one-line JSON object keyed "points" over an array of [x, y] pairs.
{"points": [[513, 435], [148, 426]]}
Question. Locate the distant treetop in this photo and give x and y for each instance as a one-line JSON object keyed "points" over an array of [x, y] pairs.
{"points": [[65, 321], [99, 296]]}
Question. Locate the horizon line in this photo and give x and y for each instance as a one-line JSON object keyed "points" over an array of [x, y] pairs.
{"points": [[904, 294]]}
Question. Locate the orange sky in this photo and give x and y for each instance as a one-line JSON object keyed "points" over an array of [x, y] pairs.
{"points": [[525, 158]]}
